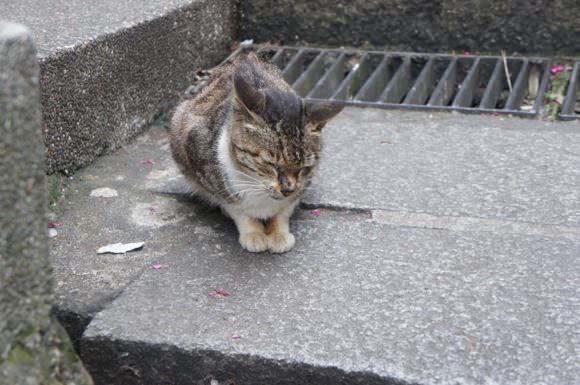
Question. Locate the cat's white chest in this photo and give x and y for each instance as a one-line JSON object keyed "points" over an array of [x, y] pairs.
{"points": [[256, 204], [262, 206]]}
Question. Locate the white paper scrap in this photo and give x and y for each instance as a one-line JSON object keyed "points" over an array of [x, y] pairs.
{"points": [[120, 248]]}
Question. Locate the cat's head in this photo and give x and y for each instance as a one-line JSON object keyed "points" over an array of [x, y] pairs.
{"points": [[276, 135]]}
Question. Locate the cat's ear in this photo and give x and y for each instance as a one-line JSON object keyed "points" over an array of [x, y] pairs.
{"points": [[251, 98], [318, 113]]}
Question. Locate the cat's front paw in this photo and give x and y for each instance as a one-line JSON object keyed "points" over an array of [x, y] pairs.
{"points": [[281, 242], [254, 242]]}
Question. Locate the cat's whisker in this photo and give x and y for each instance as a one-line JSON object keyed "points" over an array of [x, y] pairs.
{"points": [[240, 187], [230, 192], [237, 186], [249, 192], [247, 176], [244, 183]]}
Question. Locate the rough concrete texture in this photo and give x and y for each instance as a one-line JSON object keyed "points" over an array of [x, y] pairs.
{"points": [[379, 294], [34, 348], [378, 302], [539, 26], [85, 282], [109, 69], [495, 168]]}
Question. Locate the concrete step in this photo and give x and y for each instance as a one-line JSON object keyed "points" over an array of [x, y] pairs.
{"points": [[440, 257], [109, 68]]}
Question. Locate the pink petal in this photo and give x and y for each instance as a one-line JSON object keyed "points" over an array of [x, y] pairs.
{"points": [[236, 337], [316, 212], [219, 292], [154, 207], [157, 266], [557, 69], [467, 53], [148, 162], [495, 113], [53, 224]]}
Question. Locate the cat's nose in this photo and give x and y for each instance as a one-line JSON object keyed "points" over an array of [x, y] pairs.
{"points": [[287, 184]]}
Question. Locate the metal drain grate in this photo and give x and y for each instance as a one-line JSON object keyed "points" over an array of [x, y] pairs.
{"points": [[463, 83], [571, 105]]}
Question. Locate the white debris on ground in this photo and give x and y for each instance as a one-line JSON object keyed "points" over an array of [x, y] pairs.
{"points": [[104, 192], [120, 248]]}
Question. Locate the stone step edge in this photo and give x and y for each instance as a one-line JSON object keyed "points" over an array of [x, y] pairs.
{"points": [[84, 116], [116, 362]]}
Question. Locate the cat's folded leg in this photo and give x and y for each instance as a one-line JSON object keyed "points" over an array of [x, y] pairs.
{"points": [[252, 236], [280, 239]]}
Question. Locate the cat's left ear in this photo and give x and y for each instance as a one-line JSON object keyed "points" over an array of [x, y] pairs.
{"points": [[252, 99], [318, 113]]}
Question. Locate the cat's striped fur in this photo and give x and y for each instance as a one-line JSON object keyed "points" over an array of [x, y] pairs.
{"points": [[249, 144]]}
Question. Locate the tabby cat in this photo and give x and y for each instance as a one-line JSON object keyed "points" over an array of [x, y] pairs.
{"points": [[249, 144]]}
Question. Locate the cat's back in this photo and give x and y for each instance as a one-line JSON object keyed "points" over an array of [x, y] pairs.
{"points": [[196, 124], [199, 114]]}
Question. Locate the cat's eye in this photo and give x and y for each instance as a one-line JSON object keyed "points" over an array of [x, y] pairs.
{"points": [[269, 163], [305, 170]]}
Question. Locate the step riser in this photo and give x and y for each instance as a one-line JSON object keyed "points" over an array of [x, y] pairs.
{"points": [[97, 96], [421, 25], [114, 362]]}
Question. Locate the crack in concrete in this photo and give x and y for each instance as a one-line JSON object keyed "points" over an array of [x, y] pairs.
{"points": [[472, 224]]}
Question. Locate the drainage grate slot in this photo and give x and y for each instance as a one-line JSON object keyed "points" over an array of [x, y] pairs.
{"points": [[426, 81], [450, 82], [356, 76], [537, 84], [495, 87], [571, 105], [519, 87], [326, 86], [374, 85], [472, 88], [498, 92], [409, 79], [399, 84], [298, 64], [313, 73]]}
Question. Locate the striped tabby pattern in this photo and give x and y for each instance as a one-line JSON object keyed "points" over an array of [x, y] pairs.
{"points": [[249, 144]]}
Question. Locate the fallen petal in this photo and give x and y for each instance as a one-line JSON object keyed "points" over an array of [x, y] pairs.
{"points": [[148, 162], [316, 212], [157, 266], [53, 224], [236, 337], [219, 292], [120, 248], [557, 69]]}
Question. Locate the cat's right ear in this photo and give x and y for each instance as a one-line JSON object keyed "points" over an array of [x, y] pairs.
{"points": [[252, 99], [318, 113]]}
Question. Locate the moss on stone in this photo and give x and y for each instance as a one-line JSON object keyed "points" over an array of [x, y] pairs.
{"points": [[53, 185], [43, 357]]}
